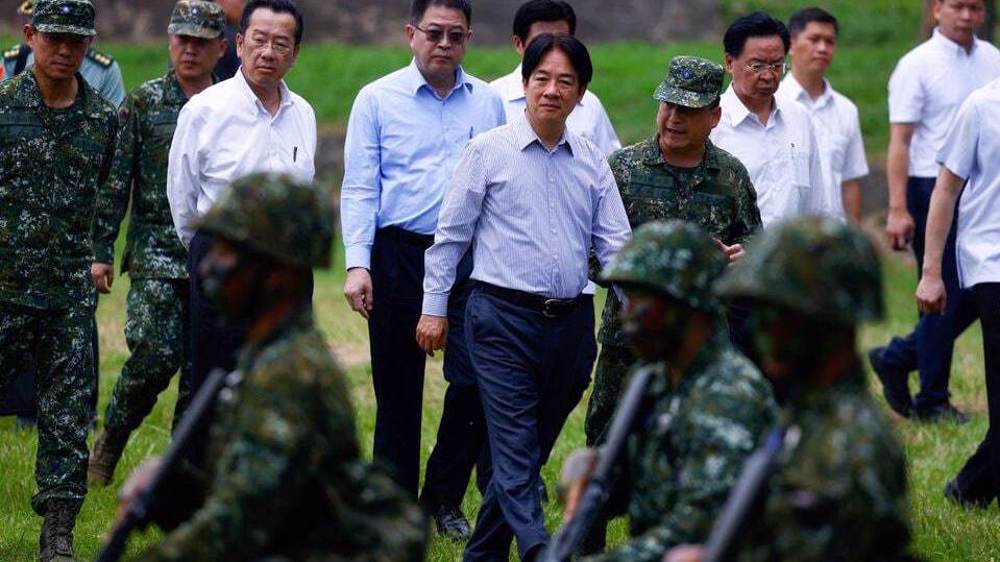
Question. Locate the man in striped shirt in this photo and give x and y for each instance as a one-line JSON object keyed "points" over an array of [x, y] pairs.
{"points": [[531, 198]]}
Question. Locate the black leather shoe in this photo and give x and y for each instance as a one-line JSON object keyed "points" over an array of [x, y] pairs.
{"points": [[942, 412], [452, 524], [955, 495], [894, 384]]}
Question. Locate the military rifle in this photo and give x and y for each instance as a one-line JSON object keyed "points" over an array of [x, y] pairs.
{"points": [[136, 515], [570, 537]]}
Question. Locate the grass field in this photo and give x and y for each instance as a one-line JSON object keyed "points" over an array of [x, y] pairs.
{"points": [[330, 75]]}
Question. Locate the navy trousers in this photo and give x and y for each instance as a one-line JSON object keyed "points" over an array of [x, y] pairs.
{"points": [[532, 372], [929, 348]]}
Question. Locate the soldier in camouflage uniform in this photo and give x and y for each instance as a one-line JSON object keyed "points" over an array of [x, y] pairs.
{"points": [[707, 405], [284, 479], [156, 328], [677, 173], [56, 141], [840, 492]]}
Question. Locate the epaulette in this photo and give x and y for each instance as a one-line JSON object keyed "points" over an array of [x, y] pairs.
{"points": [[100, 58], [11, 54]]}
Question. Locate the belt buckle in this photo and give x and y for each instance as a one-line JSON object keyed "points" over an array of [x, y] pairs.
{"points": [[547, 308]]}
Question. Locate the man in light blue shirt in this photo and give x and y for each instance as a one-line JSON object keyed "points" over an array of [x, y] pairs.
{"points": [[531, 198], [406, 133]]}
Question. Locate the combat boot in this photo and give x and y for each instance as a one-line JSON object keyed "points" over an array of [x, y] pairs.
{"points": [[56, 542], [104, 458]]}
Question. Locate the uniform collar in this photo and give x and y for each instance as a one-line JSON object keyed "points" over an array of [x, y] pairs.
{"points": [[241, 80], [653, 156], [27, 95], [525, 136], [173, 92], [941, 42], [791, 88], [415, 80]]}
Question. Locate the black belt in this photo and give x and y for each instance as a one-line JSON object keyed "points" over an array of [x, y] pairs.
{"points": [[412, 238], [549, 308]]}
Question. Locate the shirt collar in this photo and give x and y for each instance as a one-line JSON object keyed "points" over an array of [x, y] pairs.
{"points": [[791, 87], [286, 94], [525, 135], [948, 45], [415, 80]]}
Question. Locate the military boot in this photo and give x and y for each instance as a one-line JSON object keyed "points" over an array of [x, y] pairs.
{"points": [[104, 458], [56, 542]]}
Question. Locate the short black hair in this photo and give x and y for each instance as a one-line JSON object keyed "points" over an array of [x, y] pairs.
{"points": [[278, 7], [419, 7], [574, 49], [800, 19], [757, 24], [534, 11]]}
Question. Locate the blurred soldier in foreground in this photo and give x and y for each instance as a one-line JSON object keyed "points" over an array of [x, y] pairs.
{"points": [[840, 492], [56, 141], [707, 404], [677, 173], [284, 478], [157, 327]]}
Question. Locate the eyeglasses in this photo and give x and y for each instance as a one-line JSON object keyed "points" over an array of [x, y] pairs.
{"points": [[456, 36], [279, 46], [759, 68]]}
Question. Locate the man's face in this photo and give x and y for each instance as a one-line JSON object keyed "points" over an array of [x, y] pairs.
{"points": [[756, 73], [438, 41], [194, 58], [959, 19], [268, 48], [560, 27], [58, 56], [684, 129], [653, 324], [229, 280], [553, 90], [813, 48]]}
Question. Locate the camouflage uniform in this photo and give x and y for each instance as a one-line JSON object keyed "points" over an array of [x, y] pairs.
{"points": [[51, 163], [286, 481], [841, 492], [717, 195], [156, 329]]}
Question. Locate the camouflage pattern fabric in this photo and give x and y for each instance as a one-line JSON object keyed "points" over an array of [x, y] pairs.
{"points": [[288, 481], [139, 173], [47, 207], [691, 82], [197, 18], [156, 331], [254, 212], [691, 450], [841, 495], [75, 17], [65, 383], [613, 367]]}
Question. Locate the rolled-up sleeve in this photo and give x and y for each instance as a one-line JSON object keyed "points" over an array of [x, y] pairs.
{"points": [[610, 229], [361, 190], [183, 172]]}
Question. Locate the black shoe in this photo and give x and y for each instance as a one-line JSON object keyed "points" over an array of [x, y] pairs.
{"points": [[894, 384], [942, 412], [955, 495], [452, 524]]}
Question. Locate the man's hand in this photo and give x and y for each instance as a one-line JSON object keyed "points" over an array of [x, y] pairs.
{"points": [[574, 479], [932, 298], [134, 487], [684, 553], [358, 291], [732, 253], [899, 226], [432, 333], [103, 275]]}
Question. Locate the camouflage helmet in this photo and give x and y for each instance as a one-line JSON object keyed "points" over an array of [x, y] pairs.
{"points": [[673, 257], [276, 216], [73, 17], [691, 82], [197, 18], [819, 267]]}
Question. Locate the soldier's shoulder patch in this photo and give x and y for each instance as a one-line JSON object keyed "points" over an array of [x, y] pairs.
{"points": [[100, 58], [11, 53]]}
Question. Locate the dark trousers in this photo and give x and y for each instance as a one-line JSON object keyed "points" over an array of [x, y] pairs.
{"points": [[929, 348], [398, 363], [532, 372], [979, 479]]}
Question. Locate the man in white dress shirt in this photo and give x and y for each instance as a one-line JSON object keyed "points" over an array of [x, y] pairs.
{"points": [[814, 33], [589, 119], [926, 89], [249, 123]]}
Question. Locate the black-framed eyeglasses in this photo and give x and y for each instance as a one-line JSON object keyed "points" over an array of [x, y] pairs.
{"points": [[456, 36]]}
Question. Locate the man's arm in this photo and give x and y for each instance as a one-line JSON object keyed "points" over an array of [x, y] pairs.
{"points": [[183, 173], [851, 192], [899, 223], [855, 167], [610, 229]]}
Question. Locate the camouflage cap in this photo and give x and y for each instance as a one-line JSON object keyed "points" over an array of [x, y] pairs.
{"points": [[691, 82], [673, 257], [75, 17], [197, 18], [276, 216], [819, 267]]}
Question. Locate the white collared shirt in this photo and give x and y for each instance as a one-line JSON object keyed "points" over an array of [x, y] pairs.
{"points": [[225, 133], [972, 151], [838, 130], [782, 157], [588, 120], [928, 86]]}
